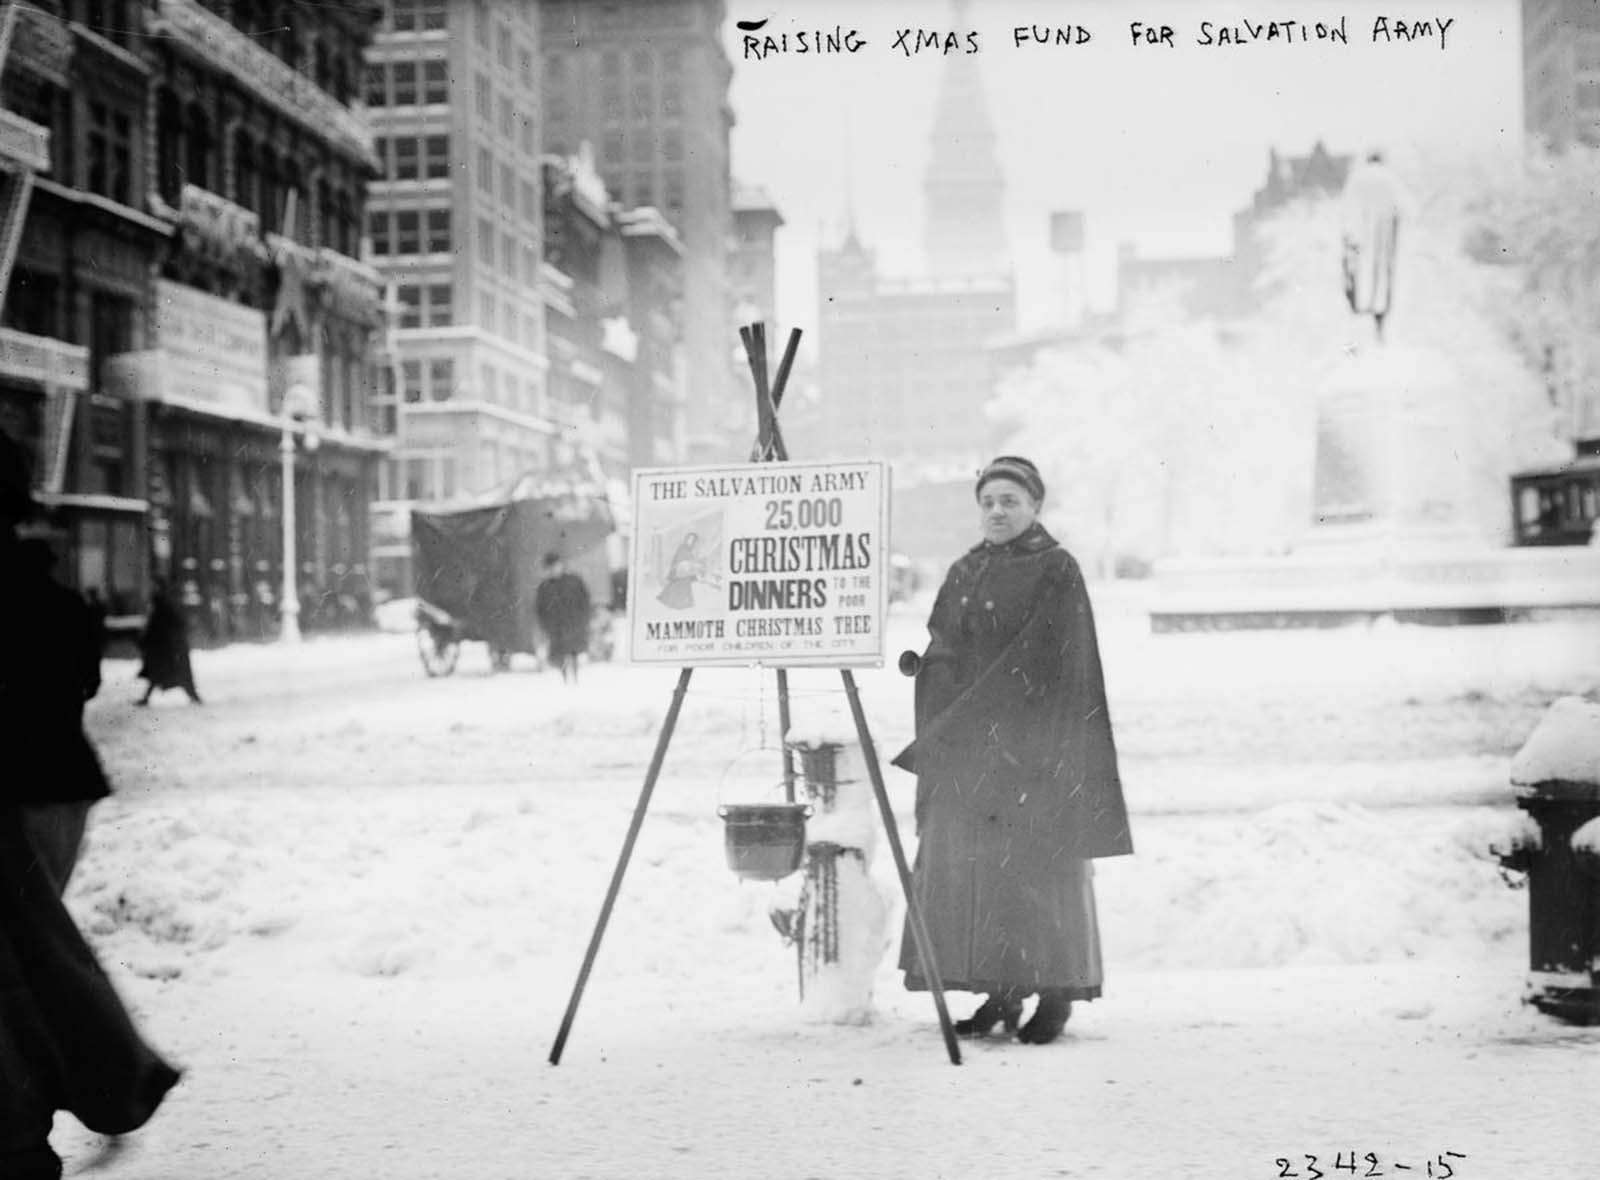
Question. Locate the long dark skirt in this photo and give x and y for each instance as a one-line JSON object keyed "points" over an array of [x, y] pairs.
{"points": [[1004, 909]]}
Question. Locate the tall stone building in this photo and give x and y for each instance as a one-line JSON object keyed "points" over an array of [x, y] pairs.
{"points": [[1561, 71], [197, 236], [455, 224], [753, 269], [903, 367], [963, 188], [646, 82]]}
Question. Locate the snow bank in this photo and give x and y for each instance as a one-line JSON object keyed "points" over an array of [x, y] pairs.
{"points": [[1587, 838], [1564, 747]]}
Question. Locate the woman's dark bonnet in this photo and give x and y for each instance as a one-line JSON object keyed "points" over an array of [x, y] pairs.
{"points": [[1018, 470]]}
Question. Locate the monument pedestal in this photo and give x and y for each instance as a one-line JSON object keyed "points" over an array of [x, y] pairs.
{"points": [[1397, 530]]}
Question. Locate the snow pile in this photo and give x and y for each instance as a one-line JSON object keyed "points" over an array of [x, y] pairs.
{"points": [[1587, 838], [1306, 884], [1519, 833], [1565, 747]]}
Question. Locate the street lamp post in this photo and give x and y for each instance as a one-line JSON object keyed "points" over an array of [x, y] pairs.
{"points": [[298, 405]]}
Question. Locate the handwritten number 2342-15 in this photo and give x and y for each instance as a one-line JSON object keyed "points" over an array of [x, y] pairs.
{"points": [[1438, 1168]]}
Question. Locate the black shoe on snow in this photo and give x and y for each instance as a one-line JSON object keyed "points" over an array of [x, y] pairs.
{"points": [[991, 1012], [1048, 1019]]}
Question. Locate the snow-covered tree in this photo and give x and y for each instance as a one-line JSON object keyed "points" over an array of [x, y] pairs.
{"points": [[1542, 219]]}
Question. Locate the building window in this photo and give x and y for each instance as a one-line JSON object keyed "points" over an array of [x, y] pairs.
{"points": [[611, 147], [405, 83], [642, 103], [506, 118], [674, 192], [480, 22], [525, 67], [438, 231], [527, 135], [672, 61], [244, 171], [435, 82], [110, 332], [410, 297], [110, 152], [482, 97], [377, 88], [672, 99], [485, 170], [508, 255], [436, 156], [508, 186], [441, 379], [410, 377], [407, 165], [611, 63], [34, 303], [611, 101], [485, 241], [378, 230], [407, 235], [486, 309], [672, 145], [503, 50], [641, 145], [530, 208], [440, 305], [530, 264]]}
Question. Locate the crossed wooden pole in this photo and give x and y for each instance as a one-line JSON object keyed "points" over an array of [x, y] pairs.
{"points": [[769, 447]]}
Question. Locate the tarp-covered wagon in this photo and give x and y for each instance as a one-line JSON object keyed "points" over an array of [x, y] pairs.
{"points": [[478, 566]]}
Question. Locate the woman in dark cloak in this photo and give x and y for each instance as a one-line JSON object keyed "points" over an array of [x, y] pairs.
{"points": [[164, 647], [1017, 783]]}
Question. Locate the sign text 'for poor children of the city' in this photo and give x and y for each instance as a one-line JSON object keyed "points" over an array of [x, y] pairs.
{"points": [[782, 564]]}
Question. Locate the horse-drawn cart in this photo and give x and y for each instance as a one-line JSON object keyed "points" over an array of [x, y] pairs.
{"points": [[478, 566]]}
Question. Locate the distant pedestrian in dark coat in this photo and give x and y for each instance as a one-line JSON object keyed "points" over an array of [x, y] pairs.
{"points": [[164, 647], [563, 609], [66, 1042], [1017, 783]]}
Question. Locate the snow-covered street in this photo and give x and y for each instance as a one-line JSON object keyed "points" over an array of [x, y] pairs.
{"points": [[352, 902]]}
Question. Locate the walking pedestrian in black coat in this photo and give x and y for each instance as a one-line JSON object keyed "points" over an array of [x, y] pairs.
{"points": [[66, 1041], [563, 608], [164, 647]]}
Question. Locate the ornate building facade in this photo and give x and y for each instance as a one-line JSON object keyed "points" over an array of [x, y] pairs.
{"points": [[197, 237]]}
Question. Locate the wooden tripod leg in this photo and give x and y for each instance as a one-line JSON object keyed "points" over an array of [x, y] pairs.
{"points": [[783, 734], [919, 930], [650, 778]]}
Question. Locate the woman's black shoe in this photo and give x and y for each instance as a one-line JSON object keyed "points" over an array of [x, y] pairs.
{"points": [[1048, 1019], [991, 1012]]}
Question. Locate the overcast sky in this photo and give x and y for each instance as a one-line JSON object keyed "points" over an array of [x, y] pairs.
{"points": [[1156, 145]]}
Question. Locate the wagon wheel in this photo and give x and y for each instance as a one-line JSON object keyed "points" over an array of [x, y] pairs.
{"points": [[438, 651]]}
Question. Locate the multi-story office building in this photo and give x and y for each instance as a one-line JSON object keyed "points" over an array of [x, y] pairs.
{"points": [[454, 223], [1561, 71], [197, 235], [613, 292], [904, 371], [646, 82], [753, 267]]}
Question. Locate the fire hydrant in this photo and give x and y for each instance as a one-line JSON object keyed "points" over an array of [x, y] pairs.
{"points": [[840, 924], [1556, 777]]}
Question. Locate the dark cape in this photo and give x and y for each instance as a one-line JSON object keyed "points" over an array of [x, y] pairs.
{"points": [[563, 608], [164, 646], [1021, 732]]}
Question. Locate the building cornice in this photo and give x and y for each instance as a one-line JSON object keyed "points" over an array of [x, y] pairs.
{"points": [[219, 45]]}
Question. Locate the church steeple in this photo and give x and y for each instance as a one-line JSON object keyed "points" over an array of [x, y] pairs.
{"points": [[964, 193]]}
